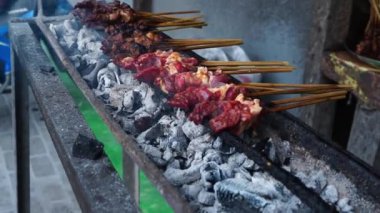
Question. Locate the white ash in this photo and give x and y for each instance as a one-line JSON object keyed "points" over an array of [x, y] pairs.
{"points": [[333, 186], [344, 205], [330, 194], [316, 174]]}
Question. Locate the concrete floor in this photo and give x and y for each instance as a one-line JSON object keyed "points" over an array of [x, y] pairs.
{"points": [[50, 189]]}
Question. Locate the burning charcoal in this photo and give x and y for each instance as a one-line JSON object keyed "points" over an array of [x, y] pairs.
{"points": [[127, 124], [344, 205], [116, 96], [148, 103], [153, 153], [210, 209], [295, 205], [193, 159], [264, 185], [210, 174], [177, 139], [87, 148], [85, 36], [168, 154], [242, 173], [175, 164], [106, 79], [283, 151], [179, 177], [128, 101], [150, 134], [237, 159], [128, 79], [151, 150], [217, 143], [71, 25], [200, 144], [143, 123], [270, 150], [277, 150], [76, 59], [179, 145], [316, 180], [330, 194], [226, 170], [142, 89], [91, 75], [192, 130], [236, 195], [93, 52], [248, 164], [212, 155], [181, 117], [206, 198], [192, 190]]}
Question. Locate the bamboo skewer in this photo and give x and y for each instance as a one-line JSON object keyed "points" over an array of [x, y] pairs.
{"points": [[175, 22], [181, 27], [250, 67], [293, 91], [306, 103], [296, 85], [286, 68], [309, 97], [258, 70], [200, 41], [265, 88], [171, 13], [205, 46], [244, 63]]}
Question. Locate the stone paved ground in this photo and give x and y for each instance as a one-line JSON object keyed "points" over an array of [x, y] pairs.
{"points": [[50, 189]]}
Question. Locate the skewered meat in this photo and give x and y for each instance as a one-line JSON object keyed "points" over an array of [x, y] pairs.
{"points": [[370, 46], [234, 116], [188, 98], [102, 13], [180, 81], [127, 35], [206, 94]]}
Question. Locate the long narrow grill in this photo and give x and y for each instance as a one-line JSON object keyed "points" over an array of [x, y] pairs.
{"points": [[211, 171]]}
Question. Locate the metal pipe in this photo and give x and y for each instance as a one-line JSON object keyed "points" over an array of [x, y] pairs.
{"points": [[21, 132]]}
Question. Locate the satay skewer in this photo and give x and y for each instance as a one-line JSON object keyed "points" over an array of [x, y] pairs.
{"points": [[199, 41], [305, 103], [257, 70], [309, 97], [296, 85], [255, 67], [243, 63], [169, 13], [180, 27], [311, 90]]}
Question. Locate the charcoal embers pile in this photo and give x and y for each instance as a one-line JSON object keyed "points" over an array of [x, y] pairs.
{"points": [[212, 176]]}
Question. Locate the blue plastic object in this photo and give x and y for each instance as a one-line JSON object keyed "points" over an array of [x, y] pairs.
{"points": [[5, 51]]}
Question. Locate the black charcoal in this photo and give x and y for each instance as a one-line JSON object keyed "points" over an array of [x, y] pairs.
{"points": [[87, 148]]}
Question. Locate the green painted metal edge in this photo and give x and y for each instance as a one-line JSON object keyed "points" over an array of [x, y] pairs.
{"points": [[151, 200]]}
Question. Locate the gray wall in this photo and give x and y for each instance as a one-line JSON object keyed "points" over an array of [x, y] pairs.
{"points": [[271, 29]]}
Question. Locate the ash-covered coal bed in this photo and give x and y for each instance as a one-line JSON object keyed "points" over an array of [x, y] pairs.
{"points": [[213, 177]]}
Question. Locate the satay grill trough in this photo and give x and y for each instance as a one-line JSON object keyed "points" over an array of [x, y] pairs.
{"points": [[276, 165]]}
